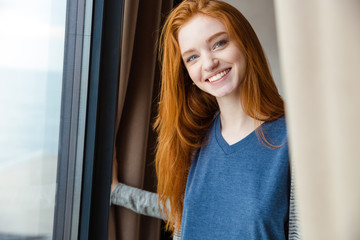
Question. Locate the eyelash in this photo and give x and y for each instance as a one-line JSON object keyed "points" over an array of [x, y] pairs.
{"points": [[222, 43], [190, 58], [217, 45]]}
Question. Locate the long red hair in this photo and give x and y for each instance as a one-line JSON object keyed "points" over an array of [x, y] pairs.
{"points": [[186, 113]]}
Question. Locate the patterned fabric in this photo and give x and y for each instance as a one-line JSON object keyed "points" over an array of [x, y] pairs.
{"points": [[294, 231], [177, 236], [137, 200]]}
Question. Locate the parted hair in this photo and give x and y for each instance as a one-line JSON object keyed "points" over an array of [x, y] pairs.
{"points": [[185, 113]]}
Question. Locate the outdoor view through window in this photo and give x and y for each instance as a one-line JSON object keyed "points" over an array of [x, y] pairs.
{"points": [[31, 62]]}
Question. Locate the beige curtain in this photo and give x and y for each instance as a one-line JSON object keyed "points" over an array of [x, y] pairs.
{"points": [[138, 84], [319, 44]]}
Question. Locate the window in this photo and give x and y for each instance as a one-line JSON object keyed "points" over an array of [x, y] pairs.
{"points": [[31, 67], [53, 173]]}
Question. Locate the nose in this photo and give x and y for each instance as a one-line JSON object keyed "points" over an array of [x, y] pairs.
{"points": [[210, 62]]}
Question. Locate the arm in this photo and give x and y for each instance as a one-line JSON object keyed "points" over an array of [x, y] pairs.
{"points": [[137, 200]]}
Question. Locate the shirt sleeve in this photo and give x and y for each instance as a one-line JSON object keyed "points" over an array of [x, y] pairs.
{"points": [[137, 200]]}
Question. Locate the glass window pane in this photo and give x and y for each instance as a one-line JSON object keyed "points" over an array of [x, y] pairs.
{"points": [[31, 62]]}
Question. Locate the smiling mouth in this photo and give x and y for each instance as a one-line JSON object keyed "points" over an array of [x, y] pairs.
{"points": [[219, 75]]}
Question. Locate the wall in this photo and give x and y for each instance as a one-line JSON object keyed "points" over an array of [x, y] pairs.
{"points": [[261, 15]]}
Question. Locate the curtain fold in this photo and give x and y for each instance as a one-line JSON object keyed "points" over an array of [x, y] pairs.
{"points": [[138, 84], [319, 44]]}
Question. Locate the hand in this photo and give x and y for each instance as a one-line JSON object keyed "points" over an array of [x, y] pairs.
{"points": [[115, 180]]}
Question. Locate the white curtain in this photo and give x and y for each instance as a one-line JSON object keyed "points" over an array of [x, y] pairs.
{"points": [[319, 43]]}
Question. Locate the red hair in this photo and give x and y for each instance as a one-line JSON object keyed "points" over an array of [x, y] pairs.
{"points": [[186, 113]]}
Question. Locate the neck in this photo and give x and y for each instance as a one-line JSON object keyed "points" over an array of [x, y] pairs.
{"points": [[235, 123], [231, 112]]}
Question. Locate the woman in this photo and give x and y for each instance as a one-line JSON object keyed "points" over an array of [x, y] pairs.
{"points": [[222, 158]]}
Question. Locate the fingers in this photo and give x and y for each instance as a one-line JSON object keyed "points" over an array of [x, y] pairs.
{"points": [[115, 180]]}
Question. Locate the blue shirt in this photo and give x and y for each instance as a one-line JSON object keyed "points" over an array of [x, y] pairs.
{"points": [[239, 191]]}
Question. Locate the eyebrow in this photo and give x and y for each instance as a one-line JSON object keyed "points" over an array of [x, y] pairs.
{"points": [[215, 36], [207, 41]]}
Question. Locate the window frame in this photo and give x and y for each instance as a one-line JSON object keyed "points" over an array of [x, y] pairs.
{"points": [[72, 124], [86, 142], [101, 118]]}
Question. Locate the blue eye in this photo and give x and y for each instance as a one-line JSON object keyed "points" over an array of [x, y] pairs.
{"points": [[192, 58], [220, 44]]}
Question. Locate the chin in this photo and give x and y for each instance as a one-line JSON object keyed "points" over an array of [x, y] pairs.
{"points": [[224, 93]]}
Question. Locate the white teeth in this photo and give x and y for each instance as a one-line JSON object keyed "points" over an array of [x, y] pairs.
{"points": [[219, 75]]}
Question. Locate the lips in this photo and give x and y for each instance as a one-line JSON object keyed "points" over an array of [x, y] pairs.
{"points": [[218, 75]]}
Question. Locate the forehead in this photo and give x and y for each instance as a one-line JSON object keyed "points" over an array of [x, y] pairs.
{"points": [[198, 28]]}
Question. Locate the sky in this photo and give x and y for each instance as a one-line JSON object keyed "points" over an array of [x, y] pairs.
{"points": [[32, 34], [31, 46]]}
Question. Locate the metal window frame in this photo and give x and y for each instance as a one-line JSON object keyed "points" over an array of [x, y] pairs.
{"points": [[87, 133], [101, 118], [72, 122]]}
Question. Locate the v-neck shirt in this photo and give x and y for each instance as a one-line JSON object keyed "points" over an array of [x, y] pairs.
{"points": [[239, 191]]}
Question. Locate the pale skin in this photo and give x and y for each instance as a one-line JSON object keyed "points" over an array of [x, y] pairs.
{"points": [[115, 180], [208, 52]]}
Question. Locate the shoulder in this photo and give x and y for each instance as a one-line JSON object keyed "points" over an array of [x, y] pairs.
{"points": [[278, 124], [276, 130]]}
